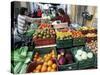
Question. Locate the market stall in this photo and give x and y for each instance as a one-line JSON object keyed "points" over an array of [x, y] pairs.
{"points": [[57, 50], [55, 46]]}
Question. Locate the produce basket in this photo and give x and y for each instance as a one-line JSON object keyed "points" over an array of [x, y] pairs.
{"points": [[42, 51], [64, 43], [67, 66], [60, 25], [83, 64], [78, 41], [32, 65], [42, 42]]}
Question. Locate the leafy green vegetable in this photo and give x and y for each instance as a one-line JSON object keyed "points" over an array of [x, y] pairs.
{"points": [[18, 67]]}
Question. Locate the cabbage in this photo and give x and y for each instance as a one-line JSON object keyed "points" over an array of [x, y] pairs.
{"points": [[90, 55], [78, 57], [84, 55], [79, 52]]}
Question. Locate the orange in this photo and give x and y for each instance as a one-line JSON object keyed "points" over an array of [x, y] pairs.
{"points": [[44, 68], [49, 69], [39, 59], [52, 70], [35, 56], [38, 67], [50, 63], [34, 70], [53, 56], [49, 55], [37, 71], [34, 59], [47, 58], [54, 66], [45, 64], [42, 60]]}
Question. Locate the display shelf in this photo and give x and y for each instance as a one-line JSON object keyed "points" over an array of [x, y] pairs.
{"points": [[53, 45]]}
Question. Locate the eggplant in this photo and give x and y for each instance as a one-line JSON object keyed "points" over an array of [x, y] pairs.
{"points": [[68, 56], [62, 60], [70, 62], [61, 51]]}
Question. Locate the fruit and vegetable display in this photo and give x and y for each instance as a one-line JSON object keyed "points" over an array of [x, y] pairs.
{"points": [[92, 46], [44, 25], [83, 55], [49, 66], [64, 57], [87, 28], [91, 35], [63, 35], [77, 34], [44, 36], [48, 62], [45, 33], [46, 57]]}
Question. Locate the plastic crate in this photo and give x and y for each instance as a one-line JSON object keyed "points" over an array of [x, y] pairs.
{"points": [[95, 61], [73, 66], [64, 43], [32, 65], [84, 63], [78, 41], [42, 42], [43, 51]]}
